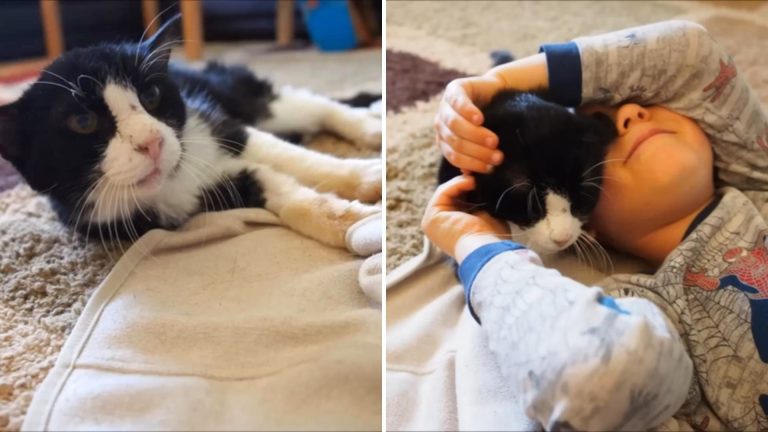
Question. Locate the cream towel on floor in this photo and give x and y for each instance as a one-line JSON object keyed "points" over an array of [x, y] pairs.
{"points": [[233, 323], [440, 374]]}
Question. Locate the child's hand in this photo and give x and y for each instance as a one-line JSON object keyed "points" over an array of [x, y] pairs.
{"points": [[445, 224], [465, 143]]}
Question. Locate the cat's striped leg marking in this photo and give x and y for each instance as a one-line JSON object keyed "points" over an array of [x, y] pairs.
{"points": [[349, 178], [321, 216], [299, 110]]}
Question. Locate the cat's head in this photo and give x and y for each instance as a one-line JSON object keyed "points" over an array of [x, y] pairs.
{"points": [[100, 121], [551, 176]]}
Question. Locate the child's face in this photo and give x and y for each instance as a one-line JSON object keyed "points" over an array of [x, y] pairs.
{"points": [[658, 171]]}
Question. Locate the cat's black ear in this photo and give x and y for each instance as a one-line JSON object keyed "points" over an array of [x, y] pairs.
{"points": [[160, 44], [10, 137]]}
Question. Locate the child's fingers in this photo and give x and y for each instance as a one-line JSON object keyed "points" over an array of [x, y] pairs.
{"points": [[462, 161], [456, 96], [444, 198], [466, 130], [468, 148]]}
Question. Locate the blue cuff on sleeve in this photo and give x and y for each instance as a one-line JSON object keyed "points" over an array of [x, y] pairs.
{"points": [[564, 68], [475, 261]]}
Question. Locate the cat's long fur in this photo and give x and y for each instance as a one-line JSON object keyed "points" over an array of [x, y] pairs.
{"points": [[205, 143]]}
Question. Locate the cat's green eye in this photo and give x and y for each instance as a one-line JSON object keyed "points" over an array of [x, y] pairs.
{"points": [[83, 123], [150, 97]]}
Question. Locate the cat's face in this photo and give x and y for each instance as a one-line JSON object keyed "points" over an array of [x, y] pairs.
{"points": [[541, 213], [101, 123], [550, 180]]}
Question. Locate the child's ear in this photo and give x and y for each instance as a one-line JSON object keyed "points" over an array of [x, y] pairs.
{"points": [[158, 47], [10, 137]]}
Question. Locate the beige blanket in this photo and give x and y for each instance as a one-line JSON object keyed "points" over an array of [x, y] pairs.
{"points": [[233, 323]]}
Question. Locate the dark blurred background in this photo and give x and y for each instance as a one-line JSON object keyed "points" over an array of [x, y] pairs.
{"points": [[88, 21]]}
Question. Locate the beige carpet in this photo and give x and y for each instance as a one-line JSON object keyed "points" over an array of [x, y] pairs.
{"points": [[459, 36], [47, 274]]}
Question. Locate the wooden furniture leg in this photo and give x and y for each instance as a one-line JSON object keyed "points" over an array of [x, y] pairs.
{"points": [[54, 40], [192, 26], [284, 27], [149, 10]]}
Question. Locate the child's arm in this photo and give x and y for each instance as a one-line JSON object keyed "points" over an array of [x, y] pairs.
{"points": [[581, 360], [584, 360], [678, 65]]}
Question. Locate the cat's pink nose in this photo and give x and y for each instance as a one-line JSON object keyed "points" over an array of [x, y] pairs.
{"points": [[561, 241], [151, 146]]}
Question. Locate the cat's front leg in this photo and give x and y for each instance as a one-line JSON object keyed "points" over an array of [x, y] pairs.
{"points": [[321, 216], [299, 110], [349, 178]]}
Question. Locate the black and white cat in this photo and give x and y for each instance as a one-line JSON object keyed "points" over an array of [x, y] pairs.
{"points": [[122, 141], [551, 176]]}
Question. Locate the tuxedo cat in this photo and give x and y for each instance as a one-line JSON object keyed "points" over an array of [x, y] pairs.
{"points": [[551, 176], [123, 141]]}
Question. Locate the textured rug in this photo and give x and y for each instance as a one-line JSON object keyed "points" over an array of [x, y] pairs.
{"points": [[47, 273], [431, 42]]}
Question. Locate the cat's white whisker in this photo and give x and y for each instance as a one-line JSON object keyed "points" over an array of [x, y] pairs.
{"points": [[123, 216], [144, 33], [601, 250], [156, 73], [600, 178], [222, 142], [74, 87], [509, 189], [577, 248], [82, 203], [530, 202], [114, 220], [203, 194], [231, 188], [538, 200], [598, 164], [146, 63], [138, 205], [90, 78], [216, 193], [130, 228], [597, 186], [70, 90], [99, 200]]}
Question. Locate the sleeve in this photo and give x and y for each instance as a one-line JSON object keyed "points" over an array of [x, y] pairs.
{"points": [[678, 65], [583, 360]]}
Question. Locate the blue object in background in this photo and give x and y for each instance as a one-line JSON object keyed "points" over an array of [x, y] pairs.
{"points": [[329, 24]]}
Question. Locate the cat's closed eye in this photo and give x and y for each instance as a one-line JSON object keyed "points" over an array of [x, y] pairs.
{"points": [[83, 123], [150, 97]]}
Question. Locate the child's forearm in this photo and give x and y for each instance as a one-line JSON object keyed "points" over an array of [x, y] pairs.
{"points": [[581, 358], [525, 74]]}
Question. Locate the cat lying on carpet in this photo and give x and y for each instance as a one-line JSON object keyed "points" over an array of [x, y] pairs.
{"points": [[550, 179], [123, 141]]}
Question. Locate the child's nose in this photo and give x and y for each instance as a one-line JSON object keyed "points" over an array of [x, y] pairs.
{"points": [[629, 114]]}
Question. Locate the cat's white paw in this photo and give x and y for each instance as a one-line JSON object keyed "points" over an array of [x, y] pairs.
{"points": [[366, 129], [366, 180], [376, 109]]}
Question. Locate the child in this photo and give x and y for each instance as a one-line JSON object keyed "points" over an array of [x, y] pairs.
{"points": [[585, 360]]}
